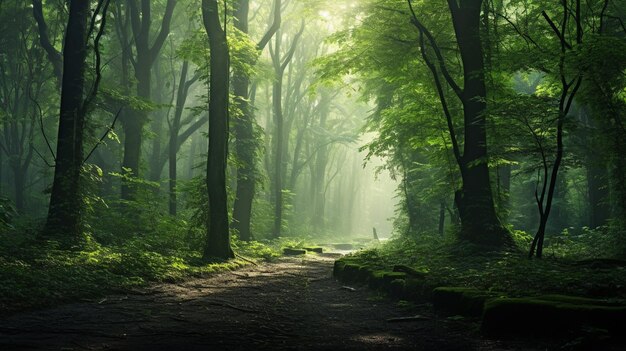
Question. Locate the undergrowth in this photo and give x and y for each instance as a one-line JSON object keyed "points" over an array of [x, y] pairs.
{"points": [[35, 274], [577, 265]]}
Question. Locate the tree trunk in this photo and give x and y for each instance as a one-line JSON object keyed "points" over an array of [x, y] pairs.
{"points": [[442, 217], [480, 223], [319, 178], [141, 20], [64, 214], [278, 150], [218, 236], [246, 144]]}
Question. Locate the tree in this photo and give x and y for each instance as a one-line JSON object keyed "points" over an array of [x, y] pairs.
{"points": [[218, 235], [280, 63], [479, 222], [245, 140], [146, 55], [23, 79], [64, 214], [175, 126]]}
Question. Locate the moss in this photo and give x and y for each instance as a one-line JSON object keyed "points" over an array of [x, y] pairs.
{"points": [[314, 249], [461, 301], [543, 317], [388, 277]]}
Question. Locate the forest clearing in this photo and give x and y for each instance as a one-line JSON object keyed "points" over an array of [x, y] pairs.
{"points": [[313, 174]]}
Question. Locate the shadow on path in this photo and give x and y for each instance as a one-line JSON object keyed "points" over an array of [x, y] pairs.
{"points": [[288, 305]]}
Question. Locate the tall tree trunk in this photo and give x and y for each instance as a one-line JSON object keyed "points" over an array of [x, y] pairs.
{"points": [[245, 145], [64, 213], [218, 236], [141, 21], [175, 141], [480, 223], [245, 142], [280, 64], [277, 96], [319, 178]]}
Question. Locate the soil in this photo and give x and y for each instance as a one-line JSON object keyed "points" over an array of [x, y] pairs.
{"points": [[292, 304]]}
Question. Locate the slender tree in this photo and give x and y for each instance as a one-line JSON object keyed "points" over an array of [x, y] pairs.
{"points": [[146, 55], [245, 141], [280, 63]]}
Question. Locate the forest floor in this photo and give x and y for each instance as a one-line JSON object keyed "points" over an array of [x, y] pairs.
{"points": [[293, 303]]}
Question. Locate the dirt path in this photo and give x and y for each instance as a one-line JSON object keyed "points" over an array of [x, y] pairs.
{"points": [[289, 305]]}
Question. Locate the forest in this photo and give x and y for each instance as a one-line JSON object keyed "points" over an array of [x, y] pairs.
{"points": [[313, 174]]}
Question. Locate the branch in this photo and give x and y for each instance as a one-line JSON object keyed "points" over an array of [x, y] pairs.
{"points": [[273, 28], [53, 55], [165, 29], [117, 115], [292, 49], [555, 29], [433, 43], [527, 38], [96, 48], [43, 131], [444, 103]]}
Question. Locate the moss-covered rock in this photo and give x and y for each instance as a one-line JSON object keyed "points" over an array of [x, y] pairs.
{"points": [[461, 301], [388, 277], [293, 252], [550, 316], [338, 269]]}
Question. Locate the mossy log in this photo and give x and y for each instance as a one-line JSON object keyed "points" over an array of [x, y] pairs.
{"points": [[409, 271], [293, 252], [338, 269]]}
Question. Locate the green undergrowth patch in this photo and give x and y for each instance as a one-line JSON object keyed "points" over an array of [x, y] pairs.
{"points": [[36, 275], [449, 263]]}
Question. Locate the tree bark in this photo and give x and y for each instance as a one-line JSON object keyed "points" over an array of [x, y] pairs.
{"points": [[246, 144], [218, 236]]}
